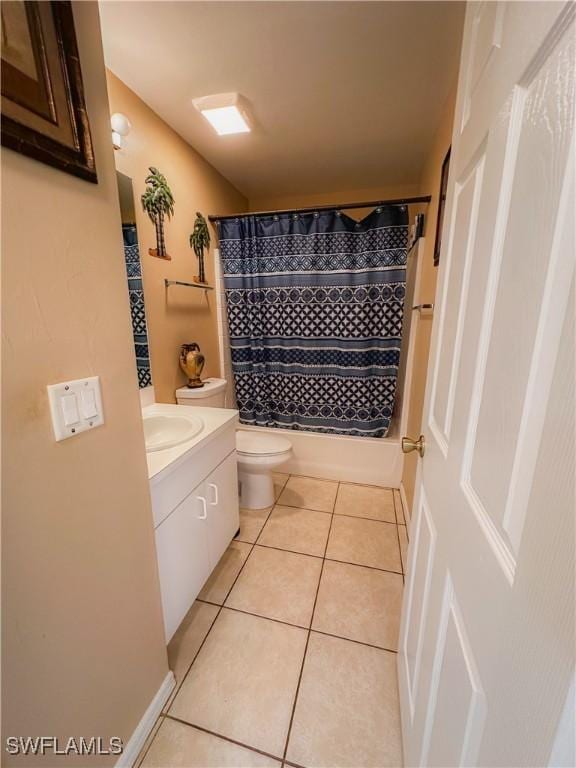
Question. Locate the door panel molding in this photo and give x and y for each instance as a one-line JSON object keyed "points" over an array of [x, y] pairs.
{"points": [[486, 481], [451, 620], [422, 549], [494, 537], [551, 321], [464, 219]]}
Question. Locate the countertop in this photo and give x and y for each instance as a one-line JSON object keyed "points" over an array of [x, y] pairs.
{"points": [[216, 420]]}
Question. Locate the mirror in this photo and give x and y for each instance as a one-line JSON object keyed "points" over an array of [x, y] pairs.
{"points": [[134, 277]]}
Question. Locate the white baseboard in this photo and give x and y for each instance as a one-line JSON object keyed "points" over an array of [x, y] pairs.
{"points": [[405, 506], [136, 741]]}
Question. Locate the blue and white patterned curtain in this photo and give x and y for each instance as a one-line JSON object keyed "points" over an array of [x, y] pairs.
{"points": [[315, 304], [137, 308]]}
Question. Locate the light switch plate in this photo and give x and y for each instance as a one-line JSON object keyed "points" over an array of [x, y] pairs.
{"points": [[75, 406]]}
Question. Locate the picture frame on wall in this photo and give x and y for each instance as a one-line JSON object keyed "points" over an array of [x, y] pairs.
{"points": [[43, 107], [441, 207]]}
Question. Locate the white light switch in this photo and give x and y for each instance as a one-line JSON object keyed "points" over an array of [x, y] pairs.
{"points": [[89, 407], [75, 406], [70, 410]]}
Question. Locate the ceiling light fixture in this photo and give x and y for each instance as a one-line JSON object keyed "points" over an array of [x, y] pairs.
{"points": [[226, 113]]}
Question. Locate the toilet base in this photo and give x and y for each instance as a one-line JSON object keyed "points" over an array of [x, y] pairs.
{"points": [[256, 489]]}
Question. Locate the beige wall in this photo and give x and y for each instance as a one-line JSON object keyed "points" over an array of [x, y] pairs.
{"points": [[176, 315], [329, 198], [83, 643], [430, 184]]}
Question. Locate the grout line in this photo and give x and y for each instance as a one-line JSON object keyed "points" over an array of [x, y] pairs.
{"points": [[282, 760], [274, 504], [345, 482], [220, 607], [309, 631], [289, 731], [304, 509], [272, 508], [369, 485], [406, 521], [325, 512], [292, 551], [209, 602], [267, 618], [369, 519], [361, 565], [177, 691], [224, 738], [153, 732], [398, 538], [320, 557], [311, 477], [317, 557], [336, 499], [351, 640], [300, 626]]}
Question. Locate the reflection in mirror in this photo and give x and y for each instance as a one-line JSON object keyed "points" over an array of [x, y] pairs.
{"points": [[134, 276]]}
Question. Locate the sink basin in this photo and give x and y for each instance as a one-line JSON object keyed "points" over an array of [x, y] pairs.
{"points": [[162, 432]]}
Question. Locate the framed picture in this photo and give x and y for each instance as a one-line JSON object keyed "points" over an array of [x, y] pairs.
{"points": [[43, 109], [441, 206]]}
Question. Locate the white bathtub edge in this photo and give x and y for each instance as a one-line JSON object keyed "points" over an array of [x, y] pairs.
{"points": [[337, 457]]}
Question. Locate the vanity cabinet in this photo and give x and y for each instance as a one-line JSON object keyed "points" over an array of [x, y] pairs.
{"points": [[196, 515], [221, 493], [183, 561]]}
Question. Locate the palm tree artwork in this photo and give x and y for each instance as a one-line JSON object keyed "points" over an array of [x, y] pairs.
{"points": [[199, 241], [158, 202]]}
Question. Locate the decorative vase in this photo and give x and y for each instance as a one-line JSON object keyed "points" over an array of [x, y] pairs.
{"points": [[192, 363]]}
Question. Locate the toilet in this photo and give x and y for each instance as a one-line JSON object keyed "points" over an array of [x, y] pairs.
{"points": [[258, 454]]}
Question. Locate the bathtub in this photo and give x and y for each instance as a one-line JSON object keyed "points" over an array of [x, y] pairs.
{"points": [[374, 461]]}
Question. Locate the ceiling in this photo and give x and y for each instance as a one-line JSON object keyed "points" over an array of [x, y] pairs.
{"points": [[344, 95]]}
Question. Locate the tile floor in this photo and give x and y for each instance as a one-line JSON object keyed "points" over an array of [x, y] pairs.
{"points": [[288, 657]]}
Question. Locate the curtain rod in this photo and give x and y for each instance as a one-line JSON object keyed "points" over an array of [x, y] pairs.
{"points": [[314, 209]]}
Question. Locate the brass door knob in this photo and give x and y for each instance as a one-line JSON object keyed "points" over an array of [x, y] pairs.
{"points": [[409, 445]]}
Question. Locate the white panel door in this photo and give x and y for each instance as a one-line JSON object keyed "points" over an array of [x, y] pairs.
{"points": [[487, 636], [223, 515], [183, 557]]}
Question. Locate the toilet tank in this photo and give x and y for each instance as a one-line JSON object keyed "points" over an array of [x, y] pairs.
{"points": [[211, 395]]}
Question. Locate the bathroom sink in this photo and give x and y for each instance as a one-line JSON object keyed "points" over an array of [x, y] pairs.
{"points": [[161, 431]]}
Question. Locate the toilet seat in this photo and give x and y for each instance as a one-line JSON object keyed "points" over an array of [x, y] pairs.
{"points": [[255, 444]]}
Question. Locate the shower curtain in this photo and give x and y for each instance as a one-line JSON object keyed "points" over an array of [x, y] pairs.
{"points": [[314, 305], [137, 308]]}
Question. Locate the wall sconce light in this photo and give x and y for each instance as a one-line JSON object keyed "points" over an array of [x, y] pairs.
{"points": [[120, 127]]}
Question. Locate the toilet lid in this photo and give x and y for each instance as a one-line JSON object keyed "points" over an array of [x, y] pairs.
{"points": [[256, 444]]}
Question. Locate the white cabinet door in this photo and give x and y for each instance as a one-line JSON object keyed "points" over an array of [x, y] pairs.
{"points": [[183, 557], [221, 489]]}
